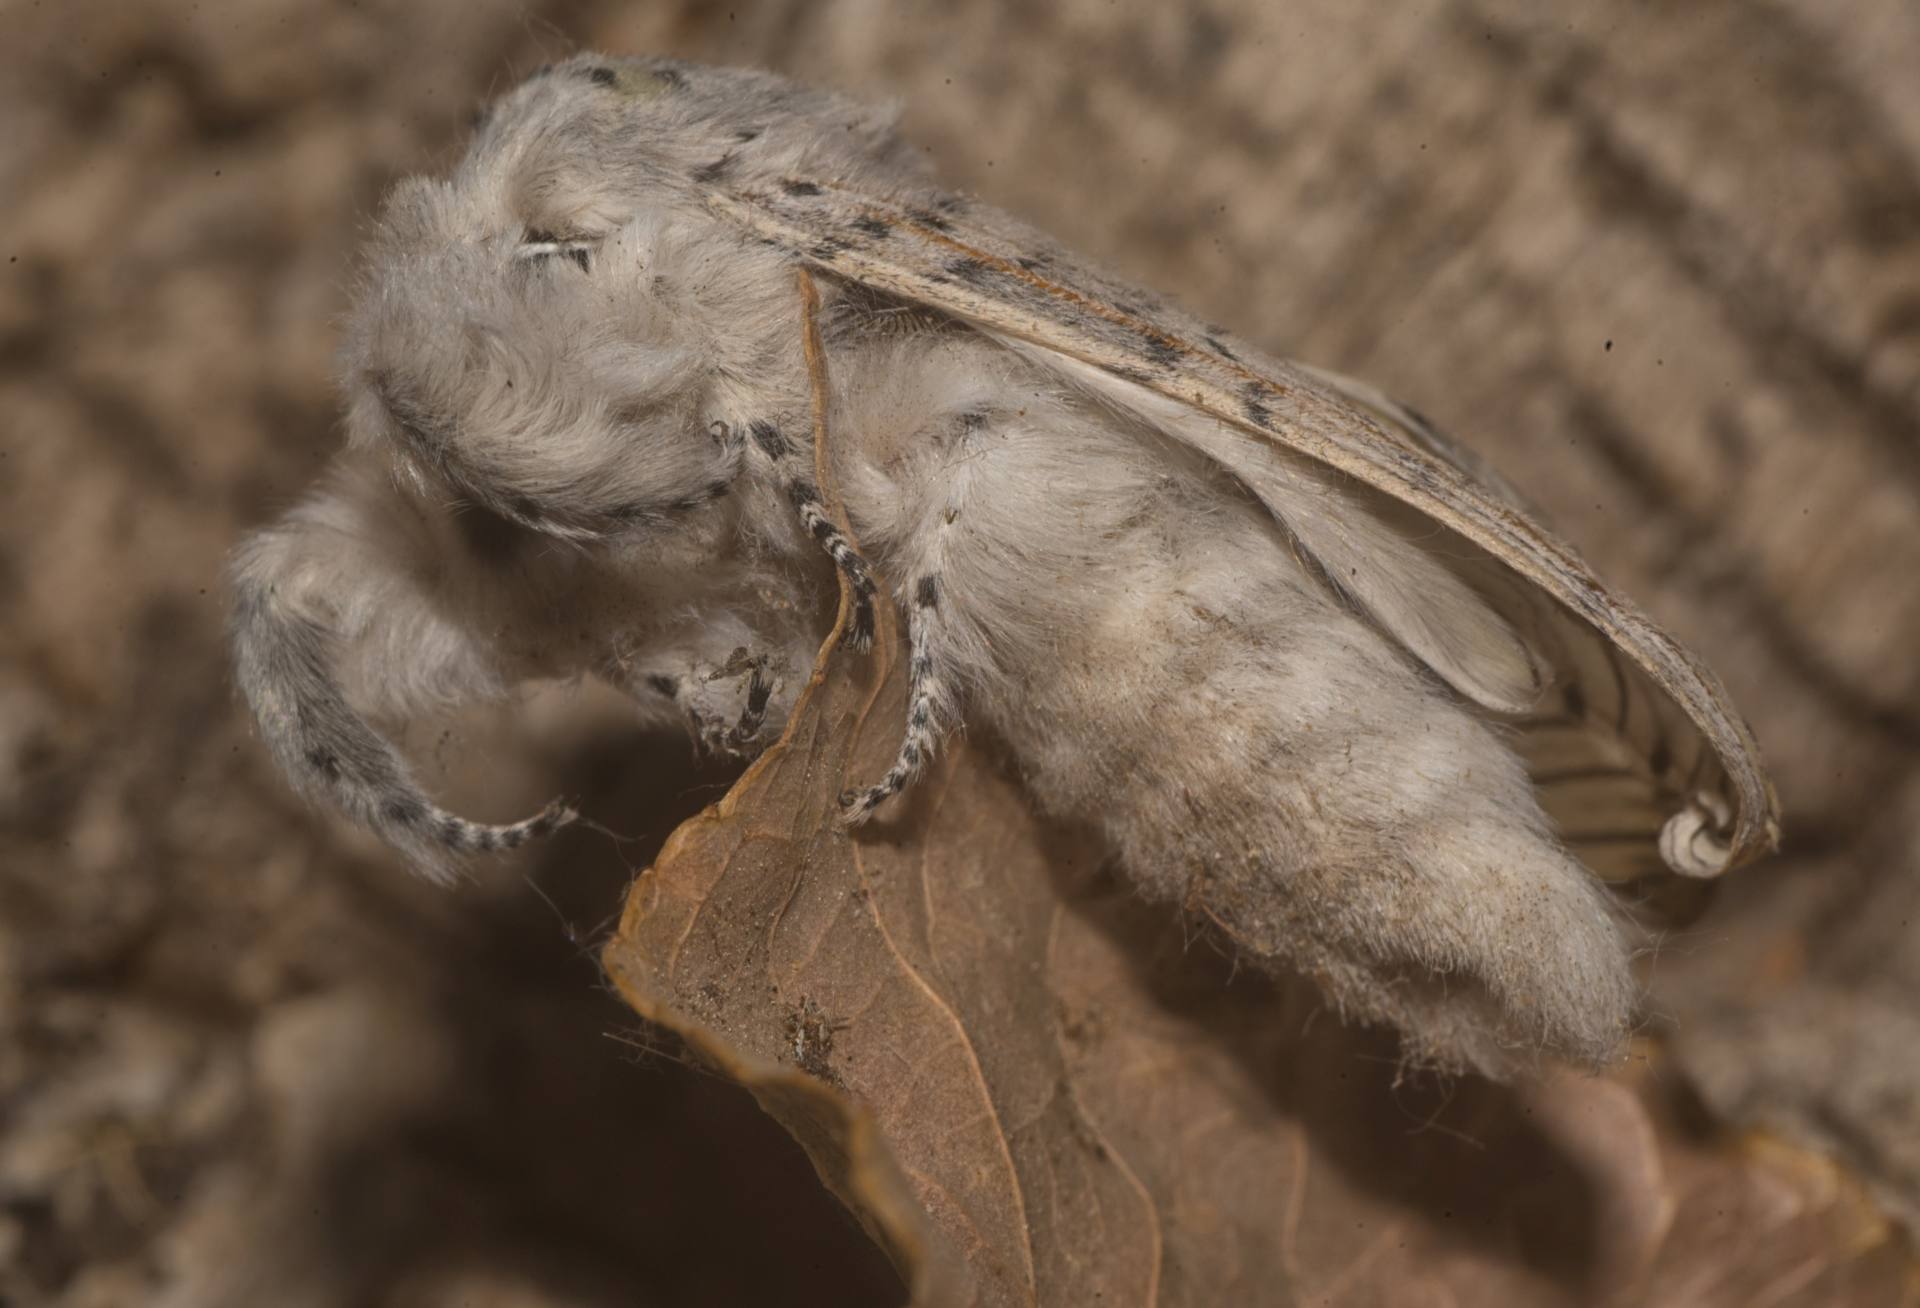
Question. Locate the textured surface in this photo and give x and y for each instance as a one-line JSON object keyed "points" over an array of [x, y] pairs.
{"points": [[1662, 267], [1037, 1090]]}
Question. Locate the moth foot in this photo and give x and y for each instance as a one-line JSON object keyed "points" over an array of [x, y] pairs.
{"points": [[724, 706], [722, 734], [857, 806], [859, 635], [746, 729]]}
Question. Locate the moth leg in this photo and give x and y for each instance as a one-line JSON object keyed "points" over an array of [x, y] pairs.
{"points": [[587, 496], [753, 715], [336, 581], [805, 498], [934, 540], [927, 695], [716, 732]]}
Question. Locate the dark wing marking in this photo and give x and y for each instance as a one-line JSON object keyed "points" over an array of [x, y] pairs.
{"points": [[1611, 757], [1017, 283]]}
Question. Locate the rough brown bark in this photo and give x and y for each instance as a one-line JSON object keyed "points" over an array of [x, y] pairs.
{"points": [[1661, 263]]}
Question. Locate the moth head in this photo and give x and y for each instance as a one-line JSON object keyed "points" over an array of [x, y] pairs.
{"points": [[528, 347], [554, 329]]}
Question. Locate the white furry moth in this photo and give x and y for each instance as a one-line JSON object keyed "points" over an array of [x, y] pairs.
{"points": [[1262, 626]]}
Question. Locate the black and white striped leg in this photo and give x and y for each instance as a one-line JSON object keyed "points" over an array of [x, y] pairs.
{"points": [[459, 836], [754, 715], [284, 661], [712, 734], [927, 694], [805, 498]]}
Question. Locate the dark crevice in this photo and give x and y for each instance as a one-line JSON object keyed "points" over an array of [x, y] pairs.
{"points": [[1733, 584], [1766, 315]]}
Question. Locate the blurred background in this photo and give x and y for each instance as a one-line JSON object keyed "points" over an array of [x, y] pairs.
{"points": [[1661, 263]]}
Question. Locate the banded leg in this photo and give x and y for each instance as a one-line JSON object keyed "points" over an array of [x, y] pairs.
{"points": [[346, 551], [459, 835], [942, 639], [711, 731], [928, 694], [754, 715], [805, 498]]}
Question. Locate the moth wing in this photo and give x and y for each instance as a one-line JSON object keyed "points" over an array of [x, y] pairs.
{"points": [[1640, 756], [1609, 752]]}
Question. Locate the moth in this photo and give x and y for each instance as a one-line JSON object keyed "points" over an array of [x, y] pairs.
{"points": [[1289, 649]]}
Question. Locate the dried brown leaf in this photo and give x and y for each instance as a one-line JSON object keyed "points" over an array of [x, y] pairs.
{"points": [[1033, 1088]]}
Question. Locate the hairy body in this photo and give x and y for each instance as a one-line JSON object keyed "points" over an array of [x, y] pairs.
{"points": [[578, 408]]}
